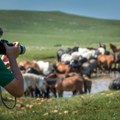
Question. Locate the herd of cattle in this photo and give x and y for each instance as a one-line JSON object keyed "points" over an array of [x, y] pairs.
{"points": [[73, 71]]}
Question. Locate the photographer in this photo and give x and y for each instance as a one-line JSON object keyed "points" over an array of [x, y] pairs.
{"points": [[10, 76]]}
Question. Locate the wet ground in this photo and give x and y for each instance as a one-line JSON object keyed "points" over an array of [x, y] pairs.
{"points": [[99, 83]]}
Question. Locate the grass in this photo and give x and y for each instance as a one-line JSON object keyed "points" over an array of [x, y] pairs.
{"points": [[100, 106], [43, 33]]}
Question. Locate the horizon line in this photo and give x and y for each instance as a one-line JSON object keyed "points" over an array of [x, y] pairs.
{"points": [[70, 13]]}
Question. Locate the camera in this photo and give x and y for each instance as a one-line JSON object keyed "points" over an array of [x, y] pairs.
{"points": [[22, 48]]}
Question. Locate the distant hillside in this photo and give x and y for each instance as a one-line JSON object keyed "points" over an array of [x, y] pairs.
{"points": [[58, 28], [50, 22], [44, 32]]}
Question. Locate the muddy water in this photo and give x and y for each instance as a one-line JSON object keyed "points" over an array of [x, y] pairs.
{"points": [[99, 83]]}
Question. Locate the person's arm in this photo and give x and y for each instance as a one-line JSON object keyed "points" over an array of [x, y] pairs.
{"points": [[15, 87]]}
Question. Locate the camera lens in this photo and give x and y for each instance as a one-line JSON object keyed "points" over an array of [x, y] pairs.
{"points": [[22, 49]]}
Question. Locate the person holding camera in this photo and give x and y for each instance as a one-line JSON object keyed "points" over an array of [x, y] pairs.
{"points": [[10, 75]]}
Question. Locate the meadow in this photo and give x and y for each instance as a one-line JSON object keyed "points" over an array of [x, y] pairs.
{"points": [[43, 33], [99, 106]]}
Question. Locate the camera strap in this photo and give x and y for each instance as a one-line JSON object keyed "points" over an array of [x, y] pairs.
{"points": [[2, 99]]}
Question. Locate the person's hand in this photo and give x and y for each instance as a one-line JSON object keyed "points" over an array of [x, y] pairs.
{"points": [[6, 61], [12, 51]]}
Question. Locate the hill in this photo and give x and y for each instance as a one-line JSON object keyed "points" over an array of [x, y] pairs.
{"points": [[50, 22], [40, 30]]}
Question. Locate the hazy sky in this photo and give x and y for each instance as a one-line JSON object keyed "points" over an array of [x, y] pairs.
{"points": [[95, 8]]}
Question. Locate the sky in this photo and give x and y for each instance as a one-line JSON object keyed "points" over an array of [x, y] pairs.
{"points": [[106, 9]]}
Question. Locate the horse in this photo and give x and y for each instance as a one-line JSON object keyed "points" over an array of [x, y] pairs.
{"points": [[106, 61], [73, 83], [60, 71], [60, 52], [114, 48], [61, 67], [86, 80], [102, 45], [24, 65], [51, 80], [33, 71], [89, 67], [45, 67], [66, 58], [34, 85], [94, 65], [115, 84], [87, 84], [67, 53], [117, 62]]}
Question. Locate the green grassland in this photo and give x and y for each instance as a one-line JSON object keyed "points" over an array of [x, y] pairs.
{"points": [[99, 106], [44, 32]]}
